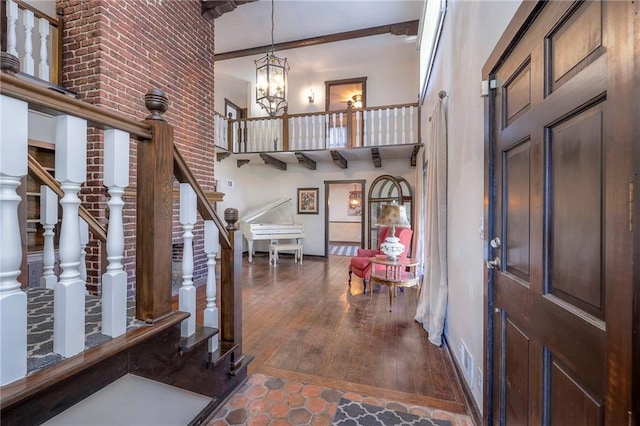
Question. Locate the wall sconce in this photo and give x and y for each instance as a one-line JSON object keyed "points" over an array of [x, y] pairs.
{"points": [[357, 101], [311, 96]]}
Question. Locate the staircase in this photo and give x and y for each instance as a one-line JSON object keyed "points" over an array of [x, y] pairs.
{"points": [[167, 355]]}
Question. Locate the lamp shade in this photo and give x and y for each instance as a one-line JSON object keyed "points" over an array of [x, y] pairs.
{"points": [[393, 215]]}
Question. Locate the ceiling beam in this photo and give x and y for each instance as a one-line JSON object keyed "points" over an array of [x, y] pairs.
{"points": [[400, 28], [212, 9], [375, 156], [339, 159], [273, 162], [305, 161]]}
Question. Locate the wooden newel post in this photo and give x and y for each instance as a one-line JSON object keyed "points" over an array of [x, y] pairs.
{"points": [[231, 290], [285, 130], [350, 128], [230, 146], [154, 214]]}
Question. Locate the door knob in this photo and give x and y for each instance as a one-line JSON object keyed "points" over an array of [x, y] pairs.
{"points": [[494, 264], [495, 243]]}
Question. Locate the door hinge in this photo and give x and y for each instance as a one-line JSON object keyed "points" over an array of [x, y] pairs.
{"points": [[631, 206], [487, 85]]}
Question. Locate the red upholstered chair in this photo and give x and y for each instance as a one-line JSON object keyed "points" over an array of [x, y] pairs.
{"points": [[361, 264]]}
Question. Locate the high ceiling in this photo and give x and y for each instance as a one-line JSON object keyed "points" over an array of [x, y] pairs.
{"points": [[249, 26]]}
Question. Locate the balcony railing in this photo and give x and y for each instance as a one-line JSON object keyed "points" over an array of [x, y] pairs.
{"points": [[34, 38], [350, 128]]}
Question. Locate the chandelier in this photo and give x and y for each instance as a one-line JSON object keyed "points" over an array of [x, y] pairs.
{"points": [[271, 79]]}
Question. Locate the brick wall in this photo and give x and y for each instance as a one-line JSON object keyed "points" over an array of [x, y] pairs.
{"points": [[114, 51]]}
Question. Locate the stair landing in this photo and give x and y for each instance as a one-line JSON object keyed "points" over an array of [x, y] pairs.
{"points": [[134, 400]]}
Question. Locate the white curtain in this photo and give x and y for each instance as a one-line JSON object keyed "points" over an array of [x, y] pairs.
{"points": [[417, 249], [432, 306]]}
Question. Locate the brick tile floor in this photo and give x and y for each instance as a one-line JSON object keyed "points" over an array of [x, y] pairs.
{"points": [[272, 401]]}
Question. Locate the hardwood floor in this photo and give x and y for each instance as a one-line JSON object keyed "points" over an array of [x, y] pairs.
{"points": [[305, 323]]}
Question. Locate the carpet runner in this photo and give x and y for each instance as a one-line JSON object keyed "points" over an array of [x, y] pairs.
{"points": [[352, 413], [40, 327], [343, 250]]}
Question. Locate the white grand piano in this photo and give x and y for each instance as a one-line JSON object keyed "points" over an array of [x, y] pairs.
{"points": [[282, 228]]}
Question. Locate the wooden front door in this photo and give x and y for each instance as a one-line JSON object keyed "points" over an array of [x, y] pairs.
{"points": [[560, 189]]}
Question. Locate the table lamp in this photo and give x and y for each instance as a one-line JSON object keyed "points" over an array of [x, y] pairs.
{"points": [[393, 215]]}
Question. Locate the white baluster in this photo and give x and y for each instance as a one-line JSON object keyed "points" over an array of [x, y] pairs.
{"points": [[211, 310], [306, 127], [187, 294], [373, 118], [343, 134], [404, 125], [364, 127], [13, 301], [84, 240], [411, 125], [379, 127], [12, 21], [357, 141], [388, 130], [48, 219], [27, 59], [69, 293], [395, 126], [43, 67], [236, 141], [114, 281], [314, 141], [327, 131]]}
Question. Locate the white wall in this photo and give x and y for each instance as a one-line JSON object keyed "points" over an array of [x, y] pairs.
{"points": [[255, 185], [339, 202], [471, 30], [231, 88]]}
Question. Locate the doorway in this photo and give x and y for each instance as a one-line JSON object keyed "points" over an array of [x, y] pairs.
{"points": [[344, 217]]}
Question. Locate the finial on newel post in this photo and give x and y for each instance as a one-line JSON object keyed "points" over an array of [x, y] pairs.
{"points": [[157, 103], [9, 63], [231, 217]]}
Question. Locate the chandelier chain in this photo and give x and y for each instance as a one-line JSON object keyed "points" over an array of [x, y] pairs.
{"points": [[272, 25]]}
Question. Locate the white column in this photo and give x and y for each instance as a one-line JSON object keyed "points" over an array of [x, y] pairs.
{"points": [[43, 66], [48, 219], [211, 310], [411, 125], [404, 125], [69, 295], [84, 241], [27, 59], [13, 301], [114, 281], [388, 130], [12, 21], [187, 293], [357, 142], [395, 126]]}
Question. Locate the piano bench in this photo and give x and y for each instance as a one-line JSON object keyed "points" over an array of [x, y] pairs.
{"points": [[275, 248]]}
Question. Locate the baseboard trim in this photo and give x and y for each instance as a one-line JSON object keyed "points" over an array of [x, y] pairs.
{"points": [[470, 402]]}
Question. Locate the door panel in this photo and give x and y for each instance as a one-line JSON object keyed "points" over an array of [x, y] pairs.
{"points": [[560, 180], [574, 165]]}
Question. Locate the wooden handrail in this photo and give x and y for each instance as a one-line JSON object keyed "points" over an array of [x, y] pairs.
{"points": [[183, 173], [313, 114], [41, 174], [51, 102]]}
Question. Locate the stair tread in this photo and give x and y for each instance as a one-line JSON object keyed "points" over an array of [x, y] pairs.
{"points": [[134, 400], [202, 334]]}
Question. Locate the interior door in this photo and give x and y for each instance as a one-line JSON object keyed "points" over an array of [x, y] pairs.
{"points": [[562, 163]]}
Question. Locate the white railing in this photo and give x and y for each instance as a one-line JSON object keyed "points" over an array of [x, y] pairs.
{"points": [[32, 37], [351, 128], [69, 288], [187, 292]]}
